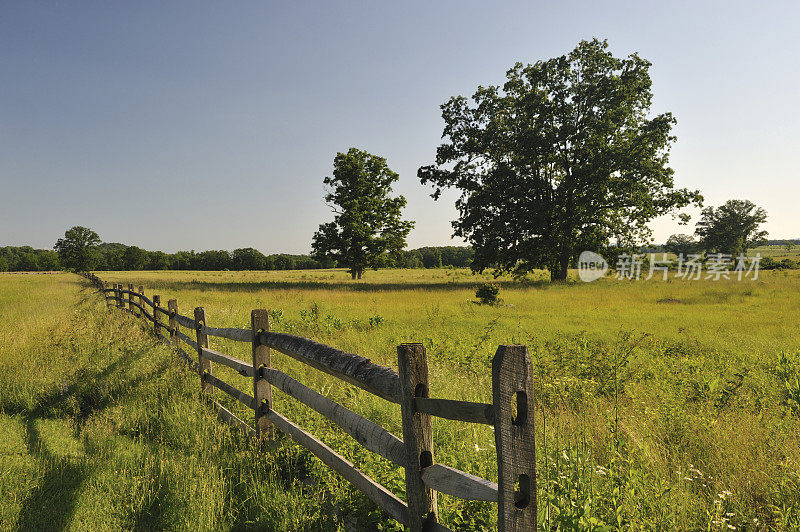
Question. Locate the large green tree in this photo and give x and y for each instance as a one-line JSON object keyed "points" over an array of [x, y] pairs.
{"points": [[732, 228], [564, 158], [78, 249], [367, 227]]}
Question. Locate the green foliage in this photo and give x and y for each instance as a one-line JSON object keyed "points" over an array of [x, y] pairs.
{"points": [[732, 228], [78, 249], [562, 159], [768, 263], [248, 259], [135, 258], [367, 228], [681, 245], [788, 372], [28, 259], [487, 294]]}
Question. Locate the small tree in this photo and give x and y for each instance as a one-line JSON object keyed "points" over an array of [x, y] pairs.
{"points": [[367, 226], [681, 244], [487, 294], [78, 249], [732, 228]]}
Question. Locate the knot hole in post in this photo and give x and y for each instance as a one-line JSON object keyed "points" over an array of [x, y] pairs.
{"points": [[421, 391], [425, 459], [519, 408], [522, 491]]}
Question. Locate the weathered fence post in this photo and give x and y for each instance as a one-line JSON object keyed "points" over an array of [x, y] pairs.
{"points": [[141, 301], [130, 299], [202, 341], [156, 316], [172, 306], [120, 301], [105, 293], [412, 365], [262, 391], [514, 436]]}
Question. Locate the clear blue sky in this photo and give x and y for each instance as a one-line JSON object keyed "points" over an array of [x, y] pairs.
{"points": [[223, 117]]}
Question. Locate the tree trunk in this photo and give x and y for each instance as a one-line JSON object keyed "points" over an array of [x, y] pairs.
{"points": [[558, 270], [359, 273], [353, 274], [557, 273]]}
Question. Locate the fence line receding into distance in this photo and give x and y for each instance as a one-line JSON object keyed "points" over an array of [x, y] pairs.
{"points": [[510, 413]]}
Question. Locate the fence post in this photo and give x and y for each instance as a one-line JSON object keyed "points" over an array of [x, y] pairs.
{"points": [[120, 301], [412, 365], [262, 391], [105, 294], [202, 341], [172, 306], [514, 436], [141, 302], [156, 316], [130, 299]]}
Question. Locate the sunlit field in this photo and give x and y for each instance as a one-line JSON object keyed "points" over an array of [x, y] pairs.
{"points": [[661, 405]]}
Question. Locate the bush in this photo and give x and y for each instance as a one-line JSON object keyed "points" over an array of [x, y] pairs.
{"points": [[487, 294], [768, 263]]}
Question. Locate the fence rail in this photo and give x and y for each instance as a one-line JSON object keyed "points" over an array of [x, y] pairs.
{"points": [[510, 413]]}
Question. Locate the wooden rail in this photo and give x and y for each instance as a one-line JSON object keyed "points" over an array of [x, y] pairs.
{"points": [[510, 412]]}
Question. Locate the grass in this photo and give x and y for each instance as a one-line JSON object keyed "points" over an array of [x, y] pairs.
{"points": [[661, 405]]}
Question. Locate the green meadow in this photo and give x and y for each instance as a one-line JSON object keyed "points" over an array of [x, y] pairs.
{"points": [[660, 405]]}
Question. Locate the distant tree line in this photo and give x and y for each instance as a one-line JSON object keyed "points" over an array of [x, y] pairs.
{"points": [[27, 259], [115, 256]]}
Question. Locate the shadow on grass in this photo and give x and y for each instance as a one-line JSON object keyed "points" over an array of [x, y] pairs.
{"points": [[354, 286], [51, 505]]}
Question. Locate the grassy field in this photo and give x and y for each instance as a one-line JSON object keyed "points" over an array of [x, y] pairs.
{"points": [[661, 405]]}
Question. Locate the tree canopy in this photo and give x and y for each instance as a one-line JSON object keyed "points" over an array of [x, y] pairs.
{"points": [[248, 259], [78, 249], [681, 244], [563, 158], [367, 227], [732, 228]]}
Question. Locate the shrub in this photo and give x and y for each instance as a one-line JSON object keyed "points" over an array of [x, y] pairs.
{"points": [[487, 294]]}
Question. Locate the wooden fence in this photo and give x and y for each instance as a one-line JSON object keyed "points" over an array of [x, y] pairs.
{"points": [[510, 413]]}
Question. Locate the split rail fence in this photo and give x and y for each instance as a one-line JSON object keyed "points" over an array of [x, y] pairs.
{"points": [[510, 413]]}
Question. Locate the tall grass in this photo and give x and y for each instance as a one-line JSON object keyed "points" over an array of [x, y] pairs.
{"points": [[651, 414]]}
